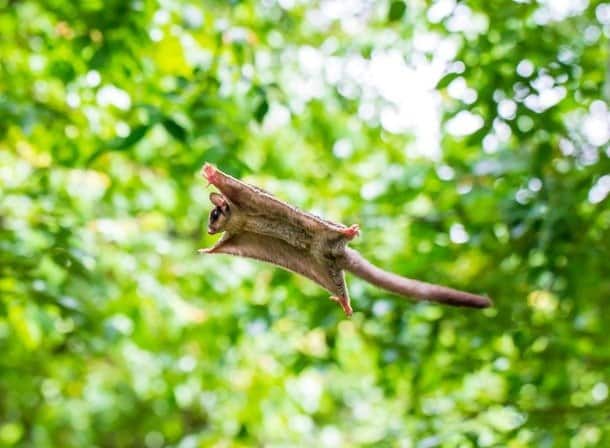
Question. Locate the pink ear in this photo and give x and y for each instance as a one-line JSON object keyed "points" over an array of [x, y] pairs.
{"points": [[217, 199]]}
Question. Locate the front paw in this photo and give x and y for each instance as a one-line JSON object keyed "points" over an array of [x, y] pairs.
{"points": [[210, 173]]}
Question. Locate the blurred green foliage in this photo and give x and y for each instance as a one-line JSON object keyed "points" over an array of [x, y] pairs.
{"points": [[114, 333]]}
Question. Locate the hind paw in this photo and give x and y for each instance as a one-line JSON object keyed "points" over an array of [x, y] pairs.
{"points": [[352, 231], [343, 303]]}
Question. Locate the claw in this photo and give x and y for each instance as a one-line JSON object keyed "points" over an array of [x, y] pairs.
{"points": [[344, 303], [207, 250]]}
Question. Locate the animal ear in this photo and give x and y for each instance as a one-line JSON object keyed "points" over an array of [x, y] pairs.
{"points": [[218, 199]]}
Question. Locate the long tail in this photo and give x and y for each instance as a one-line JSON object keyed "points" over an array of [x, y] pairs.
{"points": [[358, 265]]}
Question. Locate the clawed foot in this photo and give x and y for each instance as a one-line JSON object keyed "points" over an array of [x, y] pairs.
{"points": [[344, 303], [207, 250], [352, 231], [210, 173]]}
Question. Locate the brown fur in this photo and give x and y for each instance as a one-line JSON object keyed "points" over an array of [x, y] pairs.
{"points": [[258, 225]]}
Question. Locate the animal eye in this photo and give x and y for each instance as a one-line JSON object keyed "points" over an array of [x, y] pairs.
{"points": [[215, 214]]}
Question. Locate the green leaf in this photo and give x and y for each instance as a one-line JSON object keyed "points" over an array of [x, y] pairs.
{"points": [[397, 10], [261, 110], [174, 129], [134, 137], [446, 80], [121, 143], [62, 70]]}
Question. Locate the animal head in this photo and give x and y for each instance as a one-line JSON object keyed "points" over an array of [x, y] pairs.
{"points": [[220, 214]]}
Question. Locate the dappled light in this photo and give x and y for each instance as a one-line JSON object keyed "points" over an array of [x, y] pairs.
{"points": [[470, 140]]}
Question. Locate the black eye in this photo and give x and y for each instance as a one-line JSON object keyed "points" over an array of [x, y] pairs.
{"points": [[215, 214]]}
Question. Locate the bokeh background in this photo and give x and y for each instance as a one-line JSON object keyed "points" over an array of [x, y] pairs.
{"points": [[468, 138]]}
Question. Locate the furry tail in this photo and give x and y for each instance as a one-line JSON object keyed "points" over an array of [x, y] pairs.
{"points": [[358, 265]]}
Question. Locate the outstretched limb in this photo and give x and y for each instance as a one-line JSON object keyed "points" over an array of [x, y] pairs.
{"points": [[255, 200]]}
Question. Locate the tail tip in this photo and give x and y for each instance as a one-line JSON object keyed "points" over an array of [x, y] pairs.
{"points": [[484, 302]]}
